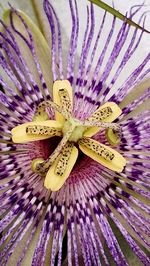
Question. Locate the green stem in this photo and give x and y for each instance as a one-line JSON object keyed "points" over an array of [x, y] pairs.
{"points": [[117, 14]]}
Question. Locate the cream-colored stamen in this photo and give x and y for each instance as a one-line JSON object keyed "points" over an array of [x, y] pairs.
{"points": [[45, 104], [20, 134], [63, 88], [105, 125], [43, 167], [64, 158], [102, 154], [101, 114], [97, 148], [43, 130], [55, 181], [65, 102], [107, 113]]}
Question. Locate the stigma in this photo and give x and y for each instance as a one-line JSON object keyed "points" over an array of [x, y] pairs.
{"points": [[75, 135], [78, 129]]}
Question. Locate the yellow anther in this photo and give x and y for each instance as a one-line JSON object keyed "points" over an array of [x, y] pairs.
{"points": [[54, 181], [63, 159], [97, 148], [43, 167], [107, 113], [102, 154], [43, 130], [57, 87], [20, 134], [101, 114], [65, 102]]}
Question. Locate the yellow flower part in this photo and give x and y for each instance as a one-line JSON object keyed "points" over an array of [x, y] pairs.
{"points": [[62, 95], [57, 168], [108, 112], [61, 168], [102, 154], [33, 131]]}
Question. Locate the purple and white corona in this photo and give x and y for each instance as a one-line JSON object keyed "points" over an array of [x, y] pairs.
{"points": [[75, 151]]}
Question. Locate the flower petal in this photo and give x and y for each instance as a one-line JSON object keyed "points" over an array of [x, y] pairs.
{"points": [[59, 85], [135, 94], [55, 177], [102, 154], [19, 134], [24, 6], [108, 112], [42, 67]]}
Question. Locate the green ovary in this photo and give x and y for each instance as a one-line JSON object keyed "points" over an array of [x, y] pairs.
{"points": [[77, 132]]}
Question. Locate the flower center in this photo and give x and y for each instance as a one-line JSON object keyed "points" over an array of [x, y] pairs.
{"points": [[57, 168], [78, 129]]}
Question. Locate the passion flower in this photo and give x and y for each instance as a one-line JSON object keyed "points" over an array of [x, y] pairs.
{"points": [[74, 151]]}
